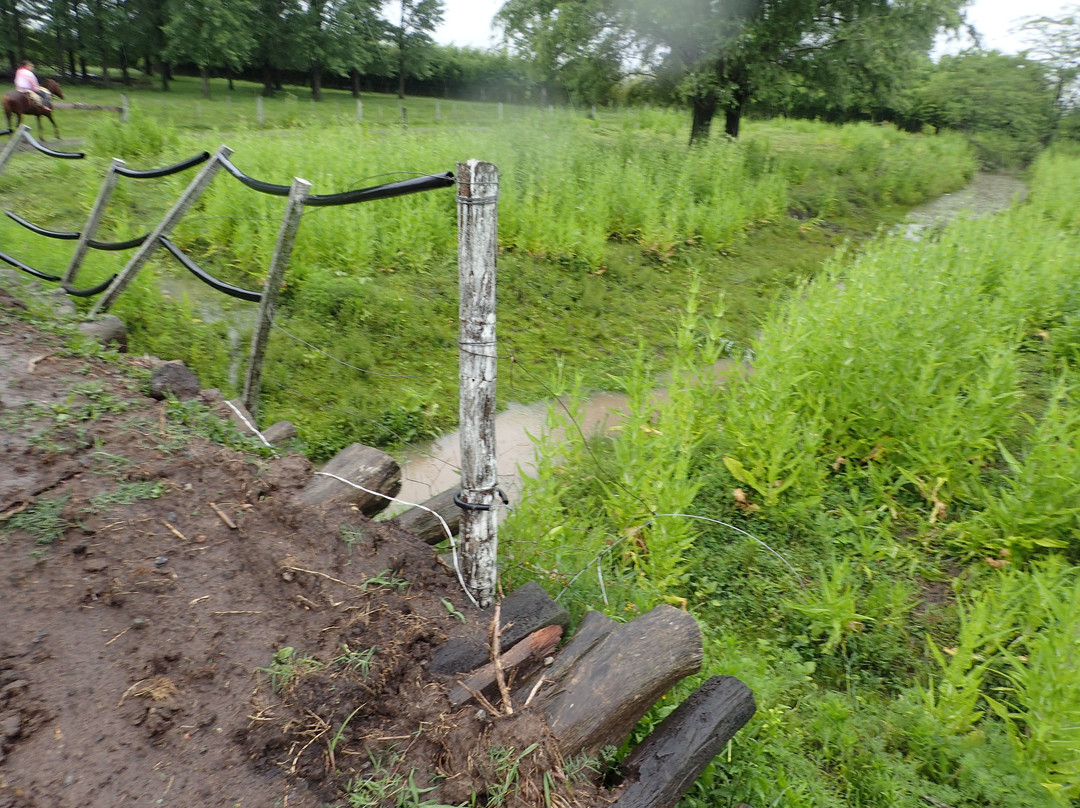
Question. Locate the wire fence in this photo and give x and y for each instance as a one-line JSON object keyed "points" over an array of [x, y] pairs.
{"points": [[416, 183]]}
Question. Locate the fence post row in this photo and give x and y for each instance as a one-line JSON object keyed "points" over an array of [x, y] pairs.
{"points": [[92, 222], [478, 187], [290, 223], [165, 226], [10, 148]]}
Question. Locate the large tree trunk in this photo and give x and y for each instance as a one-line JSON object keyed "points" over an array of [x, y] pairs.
{"points": [[704, 110], [267, 81], [166, 74], [316, 82], [733, 114]]}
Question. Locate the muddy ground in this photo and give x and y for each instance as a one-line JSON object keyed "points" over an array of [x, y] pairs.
{"points": [[152, 654]]}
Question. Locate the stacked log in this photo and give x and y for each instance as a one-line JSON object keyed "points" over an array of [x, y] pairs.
{"points": [[601, 684]]}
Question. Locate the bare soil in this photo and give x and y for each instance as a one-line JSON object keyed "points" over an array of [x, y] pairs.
{"points": [[151, 654]]}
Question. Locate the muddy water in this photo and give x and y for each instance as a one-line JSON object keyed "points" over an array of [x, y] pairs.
{"points": [[434, 468], [986, 194]]}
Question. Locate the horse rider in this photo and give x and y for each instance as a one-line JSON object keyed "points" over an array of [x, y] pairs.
{"points": [[27, 84]]}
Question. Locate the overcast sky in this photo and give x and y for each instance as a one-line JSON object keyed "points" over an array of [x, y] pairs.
{"points": [[468, 22]]}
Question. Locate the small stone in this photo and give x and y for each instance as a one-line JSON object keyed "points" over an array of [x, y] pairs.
{"points": [[161, 561], [288, 575], [96, 564], [174, 378], [69, 780], [139, 622], [280, 432], [10, 727], [107, 329]]}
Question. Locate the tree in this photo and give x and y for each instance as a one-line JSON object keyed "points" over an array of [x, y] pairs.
{"points": [[1055, 42], [578, 47], [210, 33], [1005, 104], [720, 53], [412, 35]]}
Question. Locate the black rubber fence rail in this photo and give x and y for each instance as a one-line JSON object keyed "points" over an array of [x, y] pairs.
{"points": [[5, 131], [15, 262], [50, 152], [153, 173], [97, 245], [93, 290], [208, 279], [415, 185]]}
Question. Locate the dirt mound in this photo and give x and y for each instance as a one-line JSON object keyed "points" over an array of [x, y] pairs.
{"points": [[176, 631]]}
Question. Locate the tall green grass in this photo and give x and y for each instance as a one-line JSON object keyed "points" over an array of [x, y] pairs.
{"points": [[892, 496], [602, 223]]}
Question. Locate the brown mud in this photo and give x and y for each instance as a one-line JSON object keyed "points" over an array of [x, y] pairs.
{"points": [[152, 654]]}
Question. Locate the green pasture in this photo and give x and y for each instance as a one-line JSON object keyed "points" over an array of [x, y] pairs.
{"points": [[603, 223], [877, 528]]}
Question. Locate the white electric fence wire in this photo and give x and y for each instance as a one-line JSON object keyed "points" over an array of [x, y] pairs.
{"points": [[445, 527], [251, 426]]}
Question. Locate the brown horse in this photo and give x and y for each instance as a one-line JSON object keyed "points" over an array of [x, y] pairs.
{"points": [[20, 104]]}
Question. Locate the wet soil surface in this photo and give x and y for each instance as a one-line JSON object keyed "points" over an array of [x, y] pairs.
{"points": [[153, 654]]}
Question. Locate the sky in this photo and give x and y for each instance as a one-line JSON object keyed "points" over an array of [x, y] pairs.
{"points": [[468, 22]]}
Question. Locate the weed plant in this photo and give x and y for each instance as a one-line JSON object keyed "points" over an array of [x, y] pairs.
{"points": [[892, 500]]}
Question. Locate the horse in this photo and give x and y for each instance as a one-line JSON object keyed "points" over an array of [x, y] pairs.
{"points": [[20, 104]]}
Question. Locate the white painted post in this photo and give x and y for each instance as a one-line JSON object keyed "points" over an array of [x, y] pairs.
{"points": [[10, 148], [478, 190], [290, 223], [125, 108], [404, 118], [259, 114], [359, 111], [165, 226], [198, 109], [92, 222], [438, 112], [500, 111]]}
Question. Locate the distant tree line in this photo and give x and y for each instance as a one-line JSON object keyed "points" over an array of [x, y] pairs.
{"points": [[837, 60], [361, 44]]}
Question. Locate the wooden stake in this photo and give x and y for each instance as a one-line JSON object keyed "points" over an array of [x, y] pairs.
{"points": [[259, 114], [92, 222], [10, 148], [290, 223], [478, 188], [186, 200]]}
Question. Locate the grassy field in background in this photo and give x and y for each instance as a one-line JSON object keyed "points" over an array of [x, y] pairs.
{"points": [[604, 223]]}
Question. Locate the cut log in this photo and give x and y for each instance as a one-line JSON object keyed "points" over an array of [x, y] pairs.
{"points": [[604, 693], [592, 629], [363, 465], [521, 661], [424, 525], [525, 610], [661, 768]]}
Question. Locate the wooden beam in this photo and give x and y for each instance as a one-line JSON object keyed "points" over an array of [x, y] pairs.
{"points": [[660, 770]]}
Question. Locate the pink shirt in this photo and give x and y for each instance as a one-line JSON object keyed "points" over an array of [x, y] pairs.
{"points": [[25, 79]]}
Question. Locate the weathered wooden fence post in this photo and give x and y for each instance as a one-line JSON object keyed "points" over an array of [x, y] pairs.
{"points": [[92, 221], [165, 226], [290, 223], [12, 144], [478, 193]]}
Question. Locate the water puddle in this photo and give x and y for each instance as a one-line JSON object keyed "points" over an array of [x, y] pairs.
{"points": [[986, 194]]}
